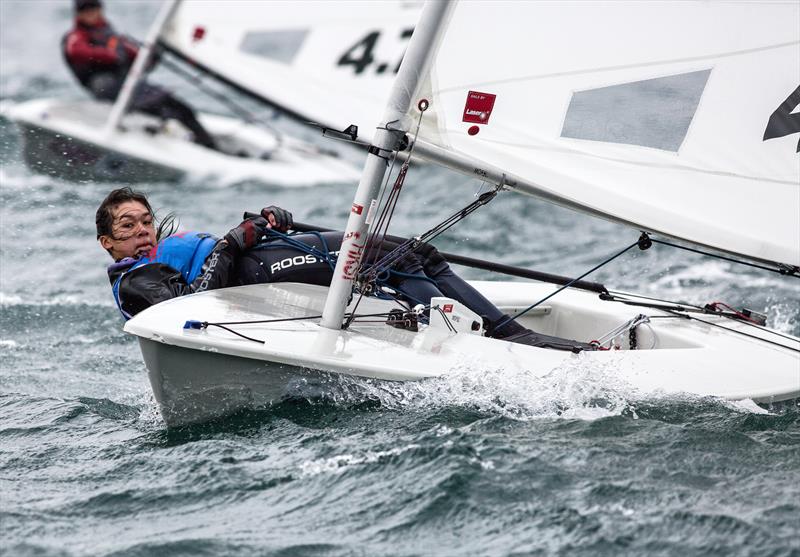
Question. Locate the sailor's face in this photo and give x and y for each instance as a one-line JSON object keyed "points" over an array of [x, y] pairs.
{"points": [[90, 16], [132, 231]]}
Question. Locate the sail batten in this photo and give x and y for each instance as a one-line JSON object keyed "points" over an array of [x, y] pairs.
{"points": [[582, 71], [652, 165]]}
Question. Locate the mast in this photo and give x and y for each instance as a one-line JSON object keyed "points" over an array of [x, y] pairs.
{"points": [[421, 49], [139, 65]]}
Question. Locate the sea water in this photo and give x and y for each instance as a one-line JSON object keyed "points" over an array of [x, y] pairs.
{"points": [[483, 462]]}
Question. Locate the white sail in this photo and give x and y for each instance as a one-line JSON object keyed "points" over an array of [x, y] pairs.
{"points": [[651, 113], [328, 62]]}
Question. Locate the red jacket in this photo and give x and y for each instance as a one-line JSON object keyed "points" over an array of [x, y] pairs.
{"points": [[94, 49]]}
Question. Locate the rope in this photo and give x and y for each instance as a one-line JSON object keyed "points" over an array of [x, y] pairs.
{"points": [[325, 255], [224, 324], [282, 319], [234, 332], [684, 307], [412, 243], [629, 325], [450, 326], [786, 270], [197, 81], [593, 269], [370, 276], [716, 305], [405, 294], [741, 332], [376, 227], [381, 226]]}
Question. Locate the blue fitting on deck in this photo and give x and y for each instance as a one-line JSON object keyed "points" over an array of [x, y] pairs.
{"points": [[193, 324]]}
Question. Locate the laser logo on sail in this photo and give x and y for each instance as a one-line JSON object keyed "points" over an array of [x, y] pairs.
{"points": [[478, 107]]}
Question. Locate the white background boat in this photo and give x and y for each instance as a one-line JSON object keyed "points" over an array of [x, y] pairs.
{"points": [[69, 139], [585, 127]]}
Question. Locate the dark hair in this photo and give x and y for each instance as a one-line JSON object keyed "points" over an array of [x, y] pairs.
{"points": [[104, 219], [81, 5]]}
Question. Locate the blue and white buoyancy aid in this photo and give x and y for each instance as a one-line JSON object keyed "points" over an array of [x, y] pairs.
{"points": [[185, 252]]}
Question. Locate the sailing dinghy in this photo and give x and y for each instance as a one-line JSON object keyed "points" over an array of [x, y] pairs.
{"points": [[91, 140], [675, 118]]}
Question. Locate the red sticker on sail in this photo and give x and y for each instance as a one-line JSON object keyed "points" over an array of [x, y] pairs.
{"points": [[357, 209], [478, 107]]}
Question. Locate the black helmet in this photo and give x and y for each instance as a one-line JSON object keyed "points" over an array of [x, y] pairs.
{"points": [[81, 5]]}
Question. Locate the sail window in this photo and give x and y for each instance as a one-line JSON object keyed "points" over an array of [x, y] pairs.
{"points": [[652, 113], [281, 46]]}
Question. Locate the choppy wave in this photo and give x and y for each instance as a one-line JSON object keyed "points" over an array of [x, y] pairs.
{"points": [[19, 178], [576, 390], [9, 300]]}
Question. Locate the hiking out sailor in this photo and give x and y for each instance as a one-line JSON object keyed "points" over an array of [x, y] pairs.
{"points": [[100, 59], [153, 263]]}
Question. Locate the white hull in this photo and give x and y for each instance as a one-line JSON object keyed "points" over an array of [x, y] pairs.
{"points": [[197, 375], [69, 139]]}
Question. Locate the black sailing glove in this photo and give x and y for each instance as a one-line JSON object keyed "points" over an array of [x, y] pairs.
{"points": [[247, 234], [281, 218]]}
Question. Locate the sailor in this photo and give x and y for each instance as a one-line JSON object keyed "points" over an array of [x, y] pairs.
{"points": [[153, 263], [100, 59]]}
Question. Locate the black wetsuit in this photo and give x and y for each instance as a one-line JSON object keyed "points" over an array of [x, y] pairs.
{"points": [[419, 276]]}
